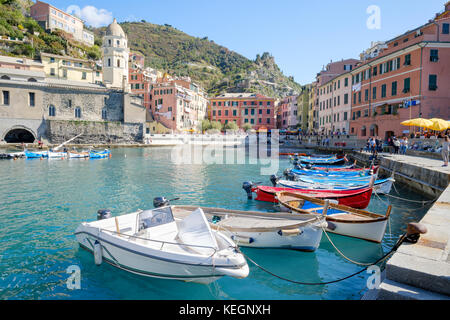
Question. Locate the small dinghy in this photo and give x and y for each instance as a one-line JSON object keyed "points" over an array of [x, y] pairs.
{"points": [[322, 161], [380, 186], [36, 154], [341, 220], [56, 155], [153, 243], [264, 230], [77, 155], [100, 154]]}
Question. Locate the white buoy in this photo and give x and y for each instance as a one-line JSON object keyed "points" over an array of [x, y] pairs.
{"points": [[98, 255]]}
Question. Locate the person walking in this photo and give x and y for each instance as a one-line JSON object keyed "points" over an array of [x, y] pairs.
{"points": [[445, 150], [404, 145], [396, 145]]}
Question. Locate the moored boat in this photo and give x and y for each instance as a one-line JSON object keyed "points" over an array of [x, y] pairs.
{"points": [[100, 154], [264, 230], [77, 155], [322, 161], [357, 198], [341, 220], [381, 186], [154, 243], [35, 154], [56, 155]]}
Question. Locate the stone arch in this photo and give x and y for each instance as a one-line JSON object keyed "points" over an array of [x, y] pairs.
{"points": [[19, 134]]}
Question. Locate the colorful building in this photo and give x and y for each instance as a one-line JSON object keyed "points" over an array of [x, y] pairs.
{"points": [[335, 105], [140, 83], [408, 77], [52, 18], [333, 84], [289, 113], [72, 69], [177, 103], [244, 108], [313, 102], [303, 108]]}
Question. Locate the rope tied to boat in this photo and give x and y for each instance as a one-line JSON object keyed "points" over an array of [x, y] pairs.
{"points": [[403, 238], [345, 257]]}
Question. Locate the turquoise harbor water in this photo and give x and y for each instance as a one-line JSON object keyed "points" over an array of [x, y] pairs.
{"points": [[43, 202]]}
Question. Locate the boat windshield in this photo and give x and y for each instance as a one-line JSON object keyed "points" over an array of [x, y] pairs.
{"points": [[154, 218]]}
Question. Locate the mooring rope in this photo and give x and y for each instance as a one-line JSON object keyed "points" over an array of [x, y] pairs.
{"points": [[316, 283], [346, 258]]}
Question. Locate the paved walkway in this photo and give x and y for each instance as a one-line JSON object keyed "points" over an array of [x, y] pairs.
{"points": [[432, 164], [422, 271]]}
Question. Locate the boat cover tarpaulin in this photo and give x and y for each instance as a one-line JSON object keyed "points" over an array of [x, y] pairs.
{"points": [[195, 229]]}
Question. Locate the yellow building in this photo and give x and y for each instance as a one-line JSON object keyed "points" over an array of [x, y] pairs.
{"points": [[72, 69], [312, 106]]}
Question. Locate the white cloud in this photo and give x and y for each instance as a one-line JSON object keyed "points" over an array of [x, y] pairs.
{"points": [[91, 15]]}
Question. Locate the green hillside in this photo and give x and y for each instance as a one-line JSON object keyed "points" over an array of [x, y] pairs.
{"points": [[20, 35], [215, 67]]}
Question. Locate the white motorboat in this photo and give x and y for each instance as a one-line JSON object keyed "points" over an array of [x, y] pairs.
{"points": [[264, 230], [153, 243]]}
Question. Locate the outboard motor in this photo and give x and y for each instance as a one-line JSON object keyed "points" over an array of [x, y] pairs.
{"points": [[247, 186], [295, 163], [291, 176], [104, 214], [160, 202], [286, 172], [298, 168], [309, 166], [274, 180]]}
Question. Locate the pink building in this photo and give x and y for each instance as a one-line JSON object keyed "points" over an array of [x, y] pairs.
{"points": [[178, 104], [244, 108], [335, 105], [409, 77], [51, 18], [325, 95], [288, 112]]}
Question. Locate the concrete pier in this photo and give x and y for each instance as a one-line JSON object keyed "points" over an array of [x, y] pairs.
{"points": [[419, 271]]}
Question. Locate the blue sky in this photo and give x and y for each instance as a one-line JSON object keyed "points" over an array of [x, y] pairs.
{"points": [[301, 35]]}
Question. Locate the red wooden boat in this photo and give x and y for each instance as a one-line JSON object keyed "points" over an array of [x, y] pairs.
{"points": [[358, 199]]}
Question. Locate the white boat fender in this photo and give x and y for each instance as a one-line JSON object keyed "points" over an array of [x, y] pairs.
{"points": [[98, 254], [331, 226], [242, 240], [290, 232]]}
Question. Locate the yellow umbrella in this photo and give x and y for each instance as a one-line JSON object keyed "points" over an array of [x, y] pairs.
{"points": [[439, 125], [419, 122]]}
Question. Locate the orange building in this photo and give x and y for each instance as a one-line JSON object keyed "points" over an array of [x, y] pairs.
{"points": [[244, 108], [139, 83], [403, 78]]}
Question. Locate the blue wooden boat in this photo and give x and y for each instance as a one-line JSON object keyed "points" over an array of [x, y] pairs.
{"points": [[36, 154], [99, 154], [322, 161], [381, 186], [322, 173]]}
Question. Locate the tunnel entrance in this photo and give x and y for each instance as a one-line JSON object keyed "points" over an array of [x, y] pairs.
{"points": [[19, 136]]}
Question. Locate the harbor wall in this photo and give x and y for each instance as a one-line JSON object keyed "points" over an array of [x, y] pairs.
{"points": [[94, 132]]}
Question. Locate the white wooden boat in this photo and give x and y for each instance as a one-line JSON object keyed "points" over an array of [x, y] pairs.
{"points": [[341, 220], [264, 230], [77, 155], [153, 243], [56, 155]]}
